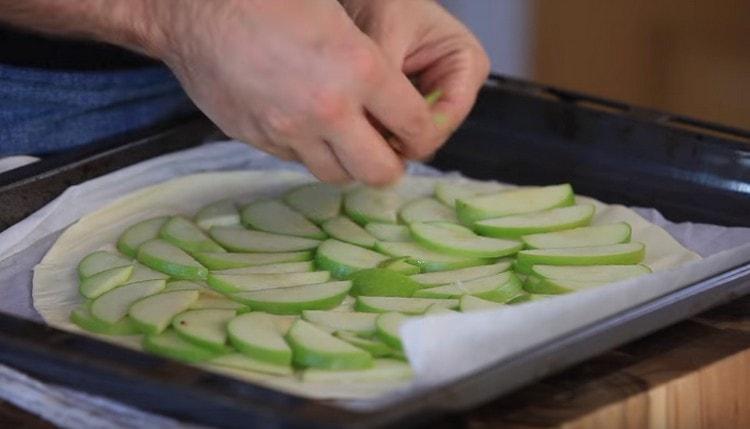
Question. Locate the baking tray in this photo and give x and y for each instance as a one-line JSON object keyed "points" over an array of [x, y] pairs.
{"points": [[519, 132]]}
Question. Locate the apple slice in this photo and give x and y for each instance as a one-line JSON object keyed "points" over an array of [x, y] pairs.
{"points": [[220, 213], [280, 268], [458, 240], [383, 370], [388, 232], [111, 307], [171, 345], [365, 205], [344, 229], [246, 363], [375, 347], [386, 304], [154, 313], [600, 235], [520, 298], [230, 283], [313, 347], [81, 316], [187, 236], [141, 273], [513, 202], [218, 303], [400, 265], [317, 201], [276, 217], [382, 282], [461, 275], [427, 260], [471, 303], [437, 309], [628, 253], [224, 261], [499, 288], [104, 281], [175, 285], [594, 273], [343, 259], [295, 299], [257, 336], [387, 329], [241, 240], [205, 328], [538, 222], [99, 261], [540, 285], [143, 231], [170, 259], [427, 210], [358, 323], [448, 192]]}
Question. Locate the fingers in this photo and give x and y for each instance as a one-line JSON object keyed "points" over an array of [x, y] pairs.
{"points": [[321, 161]]}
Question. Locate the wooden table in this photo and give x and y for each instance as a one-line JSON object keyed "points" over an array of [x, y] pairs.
{"points": [[695, 374]]}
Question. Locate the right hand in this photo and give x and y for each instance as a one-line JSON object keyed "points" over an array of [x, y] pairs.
{"points": [[297, 79]]}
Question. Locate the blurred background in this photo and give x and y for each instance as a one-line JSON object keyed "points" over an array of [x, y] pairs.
{"points": [[684, 56]]}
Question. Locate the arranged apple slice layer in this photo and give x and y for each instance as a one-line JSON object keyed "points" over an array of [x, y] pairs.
{"points": [[540, 285], [229, 283], [399, 264], [242, 240], [427, 260], [594, 273], [317, 201], [154, 313], [499, 288], [245, 363], [99, 261], [224, 261], [218, 303], [388, 232], [142, 273], [461, 275], [276, 217], [220, 213], [315, 348], [257, 336], [170, 259], [628, 253], [600, 235], [471, 303], [457, 240], [343, 259], [375, 347], [331, 321], [387, 329], [280, 268], [448, 192], [112, 306], [383, 370], [385, 304], [365, 205], [532, 223], [104, 281], [346, 230], [295, 299], [382, 282], [205, 328], [171, 345], [187, 236], [513, 202], [82, 317], [143, 231], [427, 210]]}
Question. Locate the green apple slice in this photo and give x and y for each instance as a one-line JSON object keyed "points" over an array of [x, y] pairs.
{"points": [[99, 261], [457, 240], [539, 285], [170, 259], [343, 259], [387, 329], [386, 304], [383, 370], [256, 335], [594, 273], [449, 192], [143, 231], [81, 316], [295, 299], [276, 217], [175, 285], [388, 232], [280, 268], [600, 235], [382, 282], [375, 347], [218, 303], [437, 309], [154, 313], [246, 241], [427, 260], [399, 265], [171, 345], [313, 347], [187, 236], [220, 213], [344, 229], [102, 282], [628, 253], [471, 303], [205, 327], [358, 323], [539, 222], [427, 210], [499, 288], [513, 202], [317, 201], [461, 275], [224, 261], [112, 306], [365, 205], [141, 273], [246, 363], [520, 298], [230, 283]]}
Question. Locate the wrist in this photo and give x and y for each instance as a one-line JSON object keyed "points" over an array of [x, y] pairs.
{"points": [[132, 24]]}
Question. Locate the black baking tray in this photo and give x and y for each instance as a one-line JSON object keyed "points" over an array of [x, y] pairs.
{"points": [[518, 132]]}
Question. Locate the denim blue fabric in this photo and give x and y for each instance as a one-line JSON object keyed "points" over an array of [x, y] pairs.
{"points": [[43, 111]]}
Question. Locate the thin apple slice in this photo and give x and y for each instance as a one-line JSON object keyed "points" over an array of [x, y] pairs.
{"points": [[365, 205], [387, 329], [599, 235], [594, 273], [141, 232], [499, 288], [187, 236], [513, 202], [246, 363], [461, 275], [399, 265], [154, 313], [295, 299], [437, 309], [358, 323], [343, 259], [539, 222], [471, 303], [230, 283], [104, 281], [175, 285], [375, 347], [205, 328], [220, 213], [170, 259], [344, 229], [218, 303], [382, 282], [427, 210], [388, 232], [313, 347], [383, 370], [225, 261], [540, 285], [247, 241], [99, 261], [141, 273], [280, 268], [458, 240], [81, 316], [628, 253], [112, 306], [257, 336], [385, 304], [171, 345], [427, 260], [317, 201], [448, 192], [276, 217]]}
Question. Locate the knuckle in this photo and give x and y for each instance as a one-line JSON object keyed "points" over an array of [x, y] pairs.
{"points": [[280, 124], [328, 106]]}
